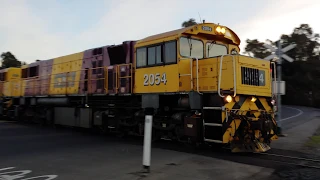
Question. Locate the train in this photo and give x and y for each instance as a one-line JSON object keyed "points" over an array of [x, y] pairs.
{"points": [[192, 80]]}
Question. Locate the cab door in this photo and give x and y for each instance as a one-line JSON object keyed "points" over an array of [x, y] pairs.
{"points": [[156, 68]]}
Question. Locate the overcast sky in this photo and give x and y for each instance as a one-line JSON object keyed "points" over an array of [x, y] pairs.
{"points": [[44, 29]]}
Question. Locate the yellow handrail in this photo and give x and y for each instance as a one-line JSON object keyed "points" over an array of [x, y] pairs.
{"points": [[35, 84]]}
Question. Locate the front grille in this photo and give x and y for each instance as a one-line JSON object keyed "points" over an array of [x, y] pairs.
{"points": [[253, 77]]}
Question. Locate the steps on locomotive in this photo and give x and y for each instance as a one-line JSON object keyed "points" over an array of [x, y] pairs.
{"points": [[212, 123]]}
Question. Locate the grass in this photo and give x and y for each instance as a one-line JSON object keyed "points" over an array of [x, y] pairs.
{"points": [[314, 141]]}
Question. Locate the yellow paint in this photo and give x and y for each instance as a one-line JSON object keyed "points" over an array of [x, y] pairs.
{"points": [[208, 72], [205, 77], [195, 30], [172, 77], [265, 104], [23, 86], [208, 75], [230, 132], [185, 80], [64, 66], [12, 83], [257, 64], [247, 106]]}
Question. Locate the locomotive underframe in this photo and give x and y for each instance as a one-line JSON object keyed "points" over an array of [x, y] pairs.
{"points": [[179, 117]]}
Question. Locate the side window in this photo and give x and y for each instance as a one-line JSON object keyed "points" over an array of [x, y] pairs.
{"points": [[170, 52], [141, 57], [151, 55], [34, 71], [159, 55], [154, 55], [24, 73], [2, 78]]}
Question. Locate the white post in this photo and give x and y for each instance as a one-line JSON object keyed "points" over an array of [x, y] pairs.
{"points": [[147, 140]]}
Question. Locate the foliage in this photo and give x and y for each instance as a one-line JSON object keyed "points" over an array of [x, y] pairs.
{"points": [[256, 49], [302, 87], [9, 60], [189, 22]]}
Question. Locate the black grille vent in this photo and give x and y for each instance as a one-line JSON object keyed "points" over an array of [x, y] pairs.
{"points": [[250, 76]]}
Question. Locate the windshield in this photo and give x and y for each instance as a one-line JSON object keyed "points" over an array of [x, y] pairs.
{"points": [[213, 50], [191, 48]]}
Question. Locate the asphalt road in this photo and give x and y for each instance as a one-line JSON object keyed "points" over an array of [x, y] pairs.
{"points": [[293, 116], [65, 153], [32, 152]]}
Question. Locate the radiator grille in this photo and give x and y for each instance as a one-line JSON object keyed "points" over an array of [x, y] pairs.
{"points": [[253, 77]]}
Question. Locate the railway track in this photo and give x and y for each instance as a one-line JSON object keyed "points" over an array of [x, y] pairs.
{"points": [[291, 160]]}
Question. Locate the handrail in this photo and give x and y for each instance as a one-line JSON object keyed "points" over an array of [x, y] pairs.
{"points": [[275, 77], [198, 75], [106, 79], [234, 75], [119, 77], [191, 75], [35, 84], [89, 80]]}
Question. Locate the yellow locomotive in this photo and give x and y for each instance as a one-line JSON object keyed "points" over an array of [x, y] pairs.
{"points": [[199, 88], [229, 94]]}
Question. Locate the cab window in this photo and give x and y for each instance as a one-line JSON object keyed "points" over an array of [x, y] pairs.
{"points": [[214, 50], [191, 48], [170, 52], [160, 54]]}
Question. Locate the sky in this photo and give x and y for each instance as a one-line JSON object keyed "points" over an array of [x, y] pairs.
{"points": [[38, 29]]}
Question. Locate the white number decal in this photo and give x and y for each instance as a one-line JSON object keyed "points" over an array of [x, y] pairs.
{"points": [[164, 78], [157, 79], [152, 79], [146, 79], [261, 78]]}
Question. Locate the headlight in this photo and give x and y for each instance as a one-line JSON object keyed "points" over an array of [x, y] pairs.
{"points": [[218, 29], [273, 102], [221, 30], [229, 99]]}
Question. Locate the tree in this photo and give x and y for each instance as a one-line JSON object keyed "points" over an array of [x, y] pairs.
{"points": [[256, 48], [306, 40], [9, 60], [302, 74], [188, 23], [307, 44]]}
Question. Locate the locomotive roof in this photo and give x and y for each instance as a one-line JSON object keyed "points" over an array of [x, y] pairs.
{"points": [[194, 30]]}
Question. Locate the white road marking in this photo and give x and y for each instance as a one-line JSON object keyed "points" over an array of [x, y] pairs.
{"points": [[12, 175], [300, 113], [6, 168]]}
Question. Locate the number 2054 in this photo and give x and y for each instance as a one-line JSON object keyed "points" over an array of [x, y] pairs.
{"points": [[154, 79]]}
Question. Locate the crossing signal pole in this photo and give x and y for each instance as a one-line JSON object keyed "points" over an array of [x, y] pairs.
{"points": [[279, 53]]}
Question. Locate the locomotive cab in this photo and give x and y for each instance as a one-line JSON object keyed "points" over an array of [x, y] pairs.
{"points": [[226, 97]]}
